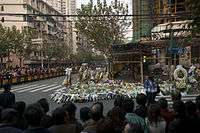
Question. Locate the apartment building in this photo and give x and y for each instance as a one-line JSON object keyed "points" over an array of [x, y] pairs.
{"points": [[37, 8], [69, 8], [63, 6], [56, 4], [31, 14]]}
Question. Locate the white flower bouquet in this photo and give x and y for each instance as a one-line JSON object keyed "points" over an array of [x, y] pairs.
{"points": [[92, 92]]}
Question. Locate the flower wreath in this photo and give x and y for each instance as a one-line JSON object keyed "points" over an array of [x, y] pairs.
{"points": [[177, 72]]}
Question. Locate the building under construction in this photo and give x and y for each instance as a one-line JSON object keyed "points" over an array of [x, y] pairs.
{"points": [[164, 24], [142, 21], [149, 13], [159, 26]]}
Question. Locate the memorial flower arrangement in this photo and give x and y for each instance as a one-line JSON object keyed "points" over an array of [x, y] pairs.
{"points": [[166, 87], [181, 85], [85, 90], [82, 92]]}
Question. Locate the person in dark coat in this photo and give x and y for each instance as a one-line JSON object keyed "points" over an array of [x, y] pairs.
{"points": [[97, 115], [46, 119], [105, 126], [20, 107], [155, 122], [191, 115], [198, 105], [179, 124], [33, 115], [61, 122], [117, 103], [9, 118], [141, 108], [165, 112], [7, 98], [135, 122], [70, 108], [85, 115], [118, 119]]}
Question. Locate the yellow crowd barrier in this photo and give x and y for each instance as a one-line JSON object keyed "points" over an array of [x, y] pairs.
{"points": [[29, 78]]}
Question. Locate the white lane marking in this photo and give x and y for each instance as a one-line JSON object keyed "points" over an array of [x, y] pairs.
{"points": [[38, 86], [43, 88], [24, 85], [22, 88], [52, 88], [62, 88]]}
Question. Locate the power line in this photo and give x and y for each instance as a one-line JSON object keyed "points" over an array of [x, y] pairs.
{"points": [[101, 15], [141, 16], [33, 21]]}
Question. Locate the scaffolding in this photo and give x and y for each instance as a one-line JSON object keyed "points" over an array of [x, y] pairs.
{"points": [[172, 7], [172, 13], [154, 11], [141, 26]]}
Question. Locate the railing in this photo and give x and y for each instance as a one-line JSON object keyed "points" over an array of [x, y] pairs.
{"points": [[184, 98], [30, 77]]}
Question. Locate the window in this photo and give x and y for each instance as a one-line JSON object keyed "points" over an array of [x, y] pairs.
{"points": [[42, 6], [25, 28], [2, 8], [24, 18], [25, 6], [2, 19]]}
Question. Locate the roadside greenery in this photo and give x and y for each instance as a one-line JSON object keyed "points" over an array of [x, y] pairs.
{"points": [[19, 42], [101, 32]]}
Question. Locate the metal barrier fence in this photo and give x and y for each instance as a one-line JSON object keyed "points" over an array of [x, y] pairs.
{"points": [[184, 98], [29, 78]]}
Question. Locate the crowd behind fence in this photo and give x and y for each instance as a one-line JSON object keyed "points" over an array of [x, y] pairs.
{"points": [[19, 75]]}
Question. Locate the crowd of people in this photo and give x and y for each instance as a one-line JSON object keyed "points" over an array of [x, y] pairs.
{"points": [[19, 72], [126, 116]]}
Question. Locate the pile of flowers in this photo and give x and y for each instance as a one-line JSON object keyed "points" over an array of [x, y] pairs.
{"points": [[166, 87], [86, 92]]}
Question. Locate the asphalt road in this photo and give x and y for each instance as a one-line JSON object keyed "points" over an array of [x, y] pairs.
{"points": [[33, 91]]}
